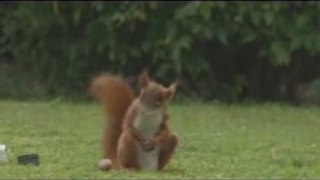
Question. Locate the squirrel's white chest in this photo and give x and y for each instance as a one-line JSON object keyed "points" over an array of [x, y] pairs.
{"points": [[148, 123]]}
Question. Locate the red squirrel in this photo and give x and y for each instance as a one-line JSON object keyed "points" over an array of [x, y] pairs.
{"points": [[137, 134]]}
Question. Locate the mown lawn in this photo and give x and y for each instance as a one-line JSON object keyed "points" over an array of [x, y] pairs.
{"points": [[216, 141]]}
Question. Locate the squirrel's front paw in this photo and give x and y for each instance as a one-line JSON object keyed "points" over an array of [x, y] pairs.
{"points": [[148, 145]]}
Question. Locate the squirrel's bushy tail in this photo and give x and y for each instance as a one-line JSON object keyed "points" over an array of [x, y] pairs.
{"points": [[115, 96]]}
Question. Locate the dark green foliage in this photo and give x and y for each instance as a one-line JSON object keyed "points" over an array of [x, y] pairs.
{"points": [[224, 50]]}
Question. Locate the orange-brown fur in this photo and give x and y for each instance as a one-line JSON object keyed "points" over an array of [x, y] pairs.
{"points": [[121, 138]]}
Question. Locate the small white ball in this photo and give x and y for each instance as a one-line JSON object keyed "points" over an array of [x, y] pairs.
{"points": [[104, 164]]}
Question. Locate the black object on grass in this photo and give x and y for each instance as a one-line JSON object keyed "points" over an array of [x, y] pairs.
{"points": [[32, 159]]}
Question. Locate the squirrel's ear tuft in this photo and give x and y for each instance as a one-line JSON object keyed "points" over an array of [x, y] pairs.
{"points": [[171, 90], [144, 79], [173, 86]]}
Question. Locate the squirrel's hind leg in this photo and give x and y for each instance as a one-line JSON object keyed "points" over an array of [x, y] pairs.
{"points": [[168, 147], [127, 152]]}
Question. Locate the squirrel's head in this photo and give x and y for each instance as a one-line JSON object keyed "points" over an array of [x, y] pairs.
{"points": [[153, 94]]}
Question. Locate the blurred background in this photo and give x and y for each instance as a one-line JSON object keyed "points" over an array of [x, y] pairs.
{"points": [[225, 51]]}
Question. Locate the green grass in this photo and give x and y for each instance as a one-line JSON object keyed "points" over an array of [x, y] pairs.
{"points": [[216, 141]]}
